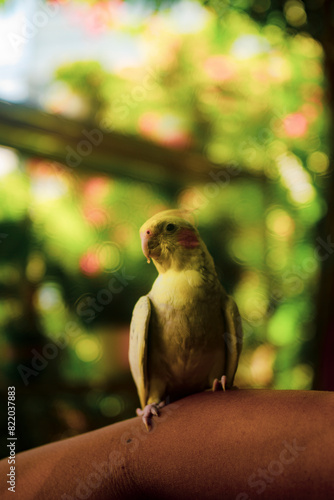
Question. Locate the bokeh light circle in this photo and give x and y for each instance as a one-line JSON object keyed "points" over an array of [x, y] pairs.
{"points": [[111, 406], [88, 349], [110, 256]]}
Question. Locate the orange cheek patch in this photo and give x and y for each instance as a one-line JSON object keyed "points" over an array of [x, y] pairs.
{"points": [[188, 239]]}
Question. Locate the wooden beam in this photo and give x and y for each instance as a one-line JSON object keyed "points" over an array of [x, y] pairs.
{"points": [[87, 148]]}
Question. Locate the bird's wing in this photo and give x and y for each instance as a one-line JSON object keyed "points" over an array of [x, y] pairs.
{"points": [[138, 346], [232, 337]]}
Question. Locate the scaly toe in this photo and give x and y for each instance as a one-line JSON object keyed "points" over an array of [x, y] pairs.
{"points": [[216, 385], [219, 385], [154, 411], [148, 412], [147, 423]]}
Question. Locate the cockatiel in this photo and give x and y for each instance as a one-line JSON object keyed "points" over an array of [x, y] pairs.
{"points": [[185, 334]]}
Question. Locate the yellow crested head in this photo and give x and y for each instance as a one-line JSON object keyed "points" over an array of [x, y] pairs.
{"points": [[170, 240]]}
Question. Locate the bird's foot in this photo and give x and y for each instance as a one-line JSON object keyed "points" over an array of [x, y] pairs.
{"points": [[219, 384], [148, 412]]}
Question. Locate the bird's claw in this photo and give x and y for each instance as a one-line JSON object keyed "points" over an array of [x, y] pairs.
{"points": [[219, 384], [148, 412]]}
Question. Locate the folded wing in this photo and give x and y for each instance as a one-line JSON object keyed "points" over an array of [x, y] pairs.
{"points": [[232, 337], [138, 346]]}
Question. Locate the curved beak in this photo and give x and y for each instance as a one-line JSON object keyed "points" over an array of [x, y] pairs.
{"points": [[145, 238], [149, 244]]}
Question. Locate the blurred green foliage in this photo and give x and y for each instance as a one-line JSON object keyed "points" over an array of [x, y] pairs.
{"points": [[249, 97]]}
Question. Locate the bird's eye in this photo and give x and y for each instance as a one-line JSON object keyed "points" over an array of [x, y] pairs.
{"points": [[170, 227]]}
